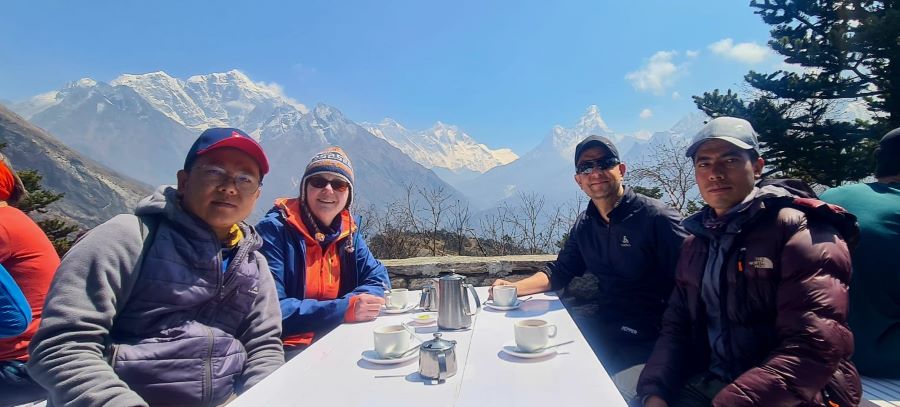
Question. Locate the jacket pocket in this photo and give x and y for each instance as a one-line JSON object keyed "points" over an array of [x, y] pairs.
{"points": [[755, 287]]}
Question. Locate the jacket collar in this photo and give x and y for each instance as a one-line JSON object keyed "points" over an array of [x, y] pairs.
{"points": [[623, 209], [290, 210], [164, 203]]}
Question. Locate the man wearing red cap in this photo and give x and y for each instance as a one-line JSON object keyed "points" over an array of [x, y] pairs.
{"points": [[30, 259], [175, 305]]}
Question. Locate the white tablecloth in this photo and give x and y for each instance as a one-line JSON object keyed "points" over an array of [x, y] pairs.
{"points": [[332, 372]]}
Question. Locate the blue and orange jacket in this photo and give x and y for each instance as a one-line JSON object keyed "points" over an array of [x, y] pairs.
{"points": [[316, 287]]}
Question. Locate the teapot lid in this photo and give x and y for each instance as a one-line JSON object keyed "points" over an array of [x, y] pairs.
{"points": [[438, 343], [452, 276]]}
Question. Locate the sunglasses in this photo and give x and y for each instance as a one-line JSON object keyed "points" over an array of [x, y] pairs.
{"points": [[587, 167], [338, 185]]}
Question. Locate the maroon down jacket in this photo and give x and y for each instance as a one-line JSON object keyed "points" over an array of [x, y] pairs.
{"points": [[786, 276]]}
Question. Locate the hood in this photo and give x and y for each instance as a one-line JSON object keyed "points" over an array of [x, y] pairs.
{"points": [[164, 204]]}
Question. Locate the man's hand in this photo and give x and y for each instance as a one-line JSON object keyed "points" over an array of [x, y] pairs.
{"points": [[655, 401], [497, 282], [367, 307]]}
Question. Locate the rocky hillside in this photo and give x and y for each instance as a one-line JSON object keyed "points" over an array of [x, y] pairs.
{"points": [[93, 193]]}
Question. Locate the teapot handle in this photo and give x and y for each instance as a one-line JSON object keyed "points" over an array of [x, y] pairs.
{"points": [[471, 289], [442, 366]]}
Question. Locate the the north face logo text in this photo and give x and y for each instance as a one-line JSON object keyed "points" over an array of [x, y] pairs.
{"points": [[762, 263]]}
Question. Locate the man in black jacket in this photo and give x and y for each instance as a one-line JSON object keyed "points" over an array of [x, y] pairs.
{"points": [[631, 243]]}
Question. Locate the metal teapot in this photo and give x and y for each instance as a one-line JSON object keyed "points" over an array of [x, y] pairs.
{"points": [[454, 310], [437, 358]]}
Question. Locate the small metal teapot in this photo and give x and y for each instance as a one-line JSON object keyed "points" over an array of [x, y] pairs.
{"points": [[437, 358]]}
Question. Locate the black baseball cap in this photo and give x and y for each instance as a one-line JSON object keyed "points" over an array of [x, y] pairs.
{"points": [[596, 141]]}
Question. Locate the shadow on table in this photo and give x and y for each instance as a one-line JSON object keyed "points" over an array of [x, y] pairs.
{"points": [[510, 358], [413, 377], [531, 308], [374, 366]]}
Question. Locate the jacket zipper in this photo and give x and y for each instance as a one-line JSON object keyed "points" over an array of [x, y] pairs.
{"points": [[220, 279], [206, 397]]}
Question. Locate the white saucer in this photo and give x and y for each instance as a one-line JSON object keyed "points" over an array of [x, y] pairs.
{"points": [[423, 319], [373, 357], [490, 304], [511, 349], [399, 310]]}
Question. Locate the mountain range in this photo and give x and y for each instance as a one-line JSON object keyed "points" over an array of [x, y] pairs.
{"points": [[549, 168], [142, 125]]}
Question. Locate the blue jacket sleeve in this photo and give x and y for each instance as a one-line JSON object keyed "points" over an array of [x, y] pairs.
{"points": [[15, 314], [301, 315], [372, 276]]}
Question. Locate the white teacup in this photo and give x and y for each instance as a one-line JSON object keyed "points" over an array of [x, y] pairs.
{"points": [[533, 334], [397, 298], [392, 340], [504, 295]]}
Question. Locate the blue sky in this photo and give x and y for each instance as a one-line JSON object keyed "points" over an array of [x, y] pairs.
{"points": [[504, 71]]}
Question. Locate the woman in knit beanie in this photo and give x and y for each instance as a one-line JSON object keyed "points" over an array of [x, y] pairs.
{"points": [[324, 272]]}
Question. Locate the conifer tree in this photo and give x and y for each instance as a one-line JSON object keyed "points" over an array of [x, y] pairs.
{"points": [[58, 230], [846, 52]]}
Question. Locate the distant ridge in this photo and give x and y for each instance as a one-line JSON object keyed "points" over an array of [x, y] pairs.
{"points": [[93, 193]]}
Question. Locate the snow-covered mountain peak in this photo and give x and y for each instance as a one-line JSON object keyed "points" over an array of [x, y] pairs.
{"points": [[234, 77], [691, 122], [592, 120], [82, 83], [442, 145], [170, 96], [389, 122], [37, 104], [327, 113], [128, 79]]}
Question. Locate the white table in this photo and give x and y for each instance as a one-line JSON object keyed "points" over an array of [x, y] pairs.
{"points": [[331, 372]]}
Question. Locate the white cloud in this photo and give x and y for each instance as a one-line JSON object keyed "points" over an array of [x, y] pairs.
{"points": [[646, 114], [657, 74], [746, 52], [692, 53], [278, 91], [676, 95]]}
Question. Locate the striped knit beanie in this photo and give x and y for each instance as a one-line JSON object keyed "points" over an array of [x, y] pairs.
{"points": [[332, 160]]}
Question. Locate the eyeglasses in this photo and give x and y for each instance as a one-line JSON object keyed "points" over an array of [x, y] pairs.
{"points": [[338, 185], [587, 167], [244, 183]]}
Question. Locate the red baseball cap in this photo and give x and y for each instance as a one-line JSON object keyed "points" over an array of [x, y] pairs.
{"points": [[219, 137]]}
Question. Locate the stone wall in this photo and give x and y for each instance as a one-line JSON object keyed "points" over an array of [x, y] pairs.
{"points": [[413, 273]]}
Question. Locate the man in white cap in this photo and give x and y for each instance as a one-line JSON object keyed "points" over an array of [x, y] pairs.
{"points": [[759, 311]]}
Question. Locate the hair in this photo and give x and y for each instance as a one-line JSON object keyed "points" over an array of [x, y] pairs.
{"points": [[19, 192], [885, 165]]}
